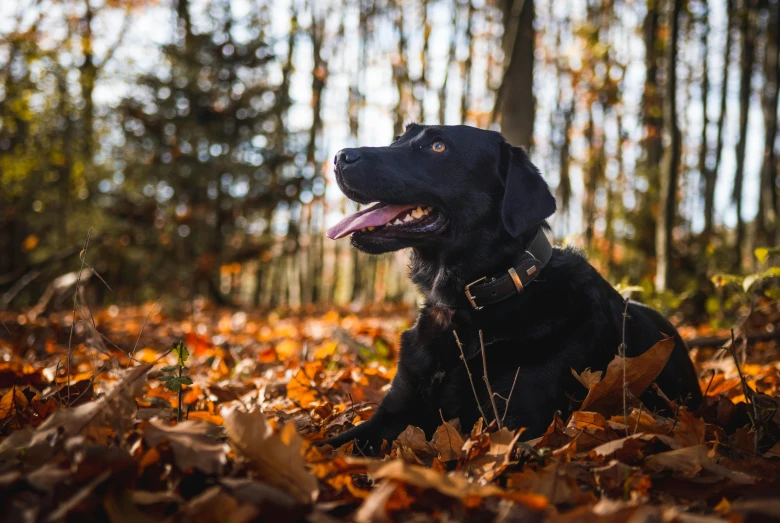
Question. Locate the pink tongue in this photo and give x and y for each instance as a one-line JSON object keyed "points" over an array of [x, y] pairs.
{"points": [[375, 216]]}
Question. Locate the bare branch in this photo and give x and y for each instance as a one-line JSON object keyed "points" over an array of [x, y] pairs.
{"points": [[83, 256], [471, 379], [487, 381], [509, 398], [622, 352]]}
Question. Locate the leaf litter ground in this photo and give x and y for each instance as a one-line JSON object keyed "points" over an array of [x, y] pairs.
{"points": [[131, 430]]}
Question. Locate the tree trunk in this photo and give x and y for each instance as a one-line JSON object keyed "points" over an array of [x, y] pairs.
{"points": [[450, 62], [652, 120], [704, 172], [767, 203], [669, 173], [465, 82], [400, 71], [515, 97], [712, 175], [746, 67]]}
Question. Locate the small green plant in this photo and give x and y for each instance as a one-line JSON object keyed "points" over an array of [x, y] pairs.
{"points": [[747, 292], [173, 376]]}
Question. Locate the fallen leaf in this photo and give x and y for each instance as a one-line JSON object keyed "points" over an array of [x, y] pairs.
{"points": [[301, 390], [453, 485], [413, 447], [214, 419], [590, 429], [448, 442], [216, 505], [632, 447], [79, 392], [117, 404], [554, 482], [616, 479], [193, 443], [607, 395], [690, 462], [588, 378], [13, 405], [275, 456], [488, 466]]}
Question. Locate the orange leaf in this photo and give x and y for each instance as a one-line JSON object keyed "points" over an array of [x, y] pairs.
{"points": [[640, 372], [205, 416]]}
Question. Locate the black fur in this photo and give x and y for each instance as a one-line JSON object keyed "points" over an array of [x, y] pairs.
{"points": [[494, 201]]}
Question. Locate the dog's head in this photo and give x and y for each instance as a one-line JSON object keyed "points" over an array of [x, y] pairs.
{"points": [[439, 185]]}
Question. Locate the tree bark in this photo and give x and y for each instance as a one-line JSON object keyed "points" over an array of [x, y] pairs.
{"points": [[465, 83], [669, 173], [712, 175], [767, 203], [515, 101], [746, 66]]}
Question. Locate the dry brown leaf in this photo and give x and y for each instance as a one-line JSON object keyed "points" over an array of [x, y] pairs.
{"points": [[216, 505], [13, 404], [615, 477], [631, 447], [112, 408], [488, 466], [689, 430], [413, 447], [373, 509], [555, 482], [590, 429], [193, 443], [588, 378], [453, 485], [692, 462], [448, 442], [607, 395], [301, 390], [275, 456]]}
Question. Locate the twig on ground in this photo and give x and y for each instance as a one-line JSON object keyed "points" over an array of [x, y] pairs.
{"points": [[622, 352], [180, 395], [83, 256], [747, 391], [471, 379], [487, 381], [712, 378], [132, 353], [639, 417], [509, 398]]}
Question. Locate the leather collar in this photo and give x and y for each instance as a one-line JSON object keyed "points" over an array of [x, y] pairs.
{"points": [[491, 290]]}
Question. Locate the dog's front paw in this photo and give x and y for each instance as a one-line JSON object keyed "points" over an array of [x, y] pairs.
{"points": [[362, 445]]}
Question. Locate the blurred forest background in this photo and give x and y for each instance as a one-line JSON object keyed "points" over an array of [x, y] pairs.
{"points": [[195, 137]]}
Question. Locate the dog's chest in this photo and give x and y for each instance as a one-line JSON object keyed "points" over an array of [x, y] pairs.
{"points": [[434, 357]]}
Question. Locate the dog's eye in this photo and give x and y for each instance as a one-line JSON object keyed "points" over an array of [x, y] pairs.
{"points": [[438, 147]]}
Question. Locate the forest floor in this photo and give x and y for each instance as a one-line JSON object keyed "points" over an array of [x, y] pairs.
{"points": [[98, 439]]}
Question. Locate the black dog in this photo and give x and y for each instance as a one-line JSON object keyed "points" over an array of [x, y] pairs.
{"points": [[473, 210]]}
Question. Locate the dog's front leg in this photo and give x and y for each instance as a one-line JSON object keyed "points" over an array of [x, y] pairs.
{"points": [[402, 406]]}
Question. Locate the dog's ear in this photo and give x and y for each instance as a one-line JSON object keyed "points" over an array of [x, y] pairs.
{"points": [[527, 198]]}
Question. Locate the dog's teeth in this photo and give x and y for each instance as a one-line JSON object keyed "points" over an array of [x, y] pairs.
{"points": [[371, 228], [417, 212], [429, 209], [408, 218], [425, 211], [397, 222]]}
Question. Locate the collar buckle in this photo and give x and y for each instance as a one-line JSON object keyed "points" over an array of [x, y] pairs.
{"points": [[467, 290]]}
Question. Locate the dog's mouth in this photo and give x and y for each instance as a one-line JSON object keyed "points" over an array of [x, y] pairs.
{"points": [[390, 220]]}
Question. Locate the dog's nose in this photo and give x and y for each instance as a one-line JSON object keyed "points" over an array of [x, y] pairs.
{"points": [[346, 156]]}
